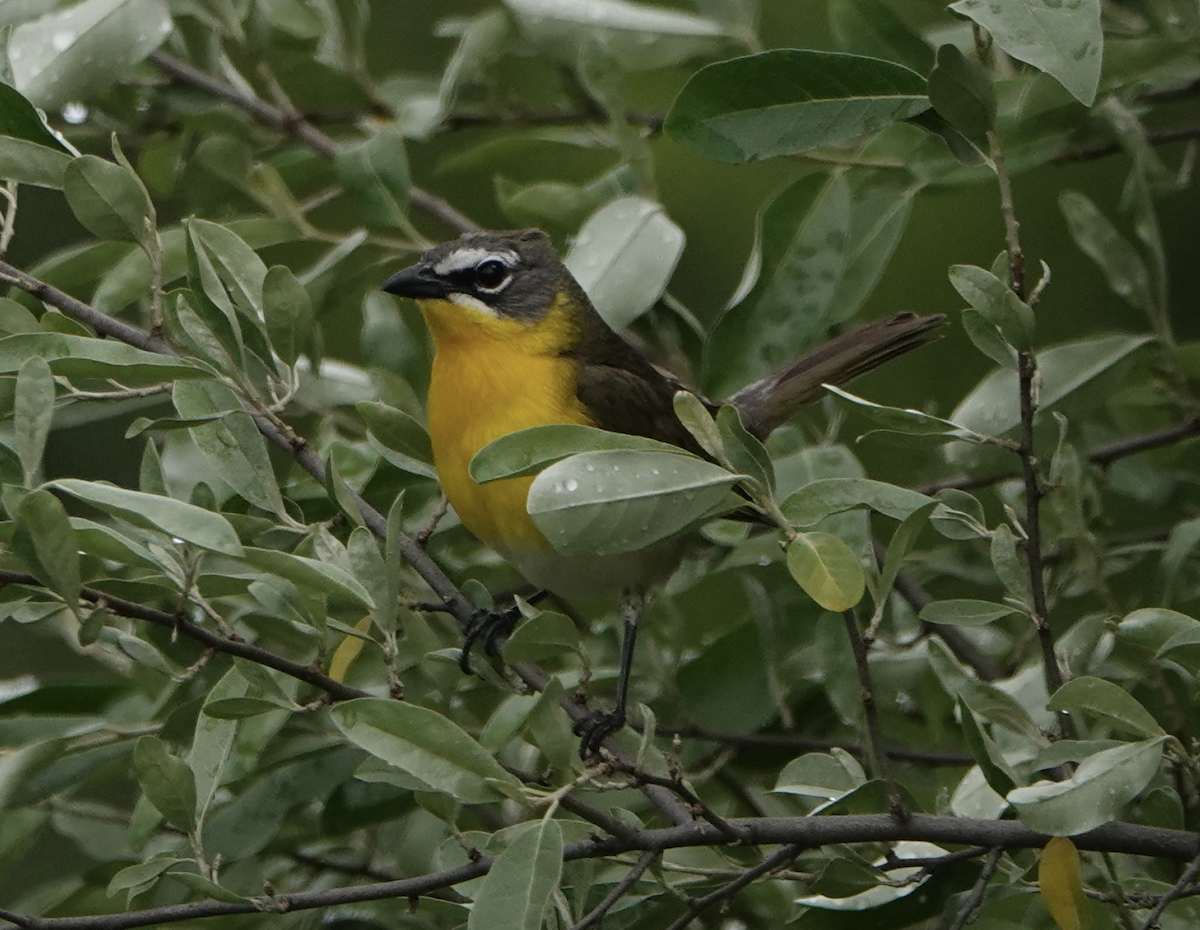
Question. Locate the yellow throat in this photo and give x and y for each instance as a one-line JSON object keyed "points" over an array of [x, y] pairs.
{"points": [[493, 376]]}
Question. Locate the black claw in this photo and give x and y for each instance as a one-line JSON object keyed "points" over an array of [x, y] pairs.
{"points": [[493, 627], [595, 728]]}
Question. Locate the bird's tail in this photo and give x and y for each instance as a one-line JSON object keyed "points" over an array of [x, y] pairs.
{"points": [[771, 401]]}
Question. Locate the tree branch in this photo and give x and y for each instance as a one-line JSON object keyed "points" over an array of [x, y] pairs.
{"points": [[597, 913], [877, 761], [1180, 888], [1104, 149], [798, 742], [295, 125], [804, 832], [184, 627]]}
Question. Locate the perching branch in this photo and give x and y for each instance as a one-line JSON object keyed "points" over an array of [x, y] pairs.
{"points": [[776, 861]]}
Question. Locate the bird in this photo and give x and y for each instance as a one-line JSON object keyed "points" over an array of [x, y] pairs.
{"points": [[518, 344]]}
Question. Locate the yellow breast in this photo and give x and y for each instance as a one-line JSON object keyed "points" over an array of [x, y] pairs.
{"points": [[491, 377]]}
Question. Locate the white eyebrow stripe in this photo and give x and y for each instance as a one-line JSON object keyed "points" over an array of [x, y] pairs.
{"points": [[472, 303], [462, 259]]}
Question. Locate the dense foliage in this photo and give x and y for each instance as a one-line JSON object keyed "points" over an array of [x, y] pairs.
{"points": [[232, 597]]}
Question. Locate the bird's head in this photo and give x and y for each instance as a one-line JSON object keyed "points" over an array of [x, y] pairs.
{"points": [[491, 283]]}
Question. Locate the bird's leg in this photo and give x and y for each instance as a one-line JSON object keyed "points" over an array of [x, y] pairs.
{"points": [[492, 627], [598, 725]]}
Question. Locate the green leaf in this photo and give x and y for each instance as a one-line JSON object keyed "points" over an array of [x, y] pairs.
{"points": [[962, 92], [311, 574], [988, 339], [634, 36], [544, 636], [240, 708], [818, 499], [166, 781], [1010, 567], [1152, 627], [899, 546], [75, 52], [743, 453], [141, 874], [820, 775], [622, 500], [1094, 795], [800, 260], [370, 568], [232, 443], [33, 410], [871, 27], [375, 173], [426, 745], [1062, 39], [987, 755], [1116, 257], [398, 437], [108, 200], [288, 312], [30, 163], [517, 889], [1108, 701], [213, 743], [87, 357], [996, 302], [827, 569], [528, 451], [45, 539], [789, 101], [20, 120], [905, 420], [965, 612], [992, 408], [175, 518], [623, 257]]}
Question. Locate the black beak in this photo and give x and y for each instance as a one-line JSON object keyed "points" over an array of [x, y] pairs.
{"points": [[418, 282]]}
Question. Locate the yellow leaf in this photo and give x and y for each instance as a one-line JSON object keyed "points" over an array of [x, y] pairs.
{"points": [[347, 651], [1061, 884]]}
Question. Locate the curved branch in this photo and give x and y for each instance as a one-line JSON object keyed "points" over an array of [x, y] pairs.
{"points": [[295, 125]]}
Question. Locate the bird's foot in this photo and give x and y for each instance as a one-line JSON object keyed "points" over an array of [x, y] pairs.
{"points": [[595, 728], [492, 628]]}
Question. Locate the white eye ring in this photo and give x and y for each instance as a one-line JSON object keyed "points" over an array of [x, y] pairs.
{"points": [[492, 265]]}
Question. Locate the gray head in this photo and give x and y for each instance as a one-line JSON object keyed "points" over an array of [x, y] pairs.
{"points": [[511, 274]]}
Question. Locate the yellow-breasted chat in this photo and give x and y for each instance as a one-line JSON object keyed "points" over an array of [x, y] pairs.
{"points": [[518, 344]]}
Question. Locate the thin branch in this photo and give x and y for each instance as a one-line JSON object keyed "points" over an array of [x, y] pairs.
{"points": [[1104, 149], [1187, 879], [689, 797], [877, 760], [295, 125], [798, 742], [975, 898], [777, 861], [618, 890], [184, 627], [1102, 455]]}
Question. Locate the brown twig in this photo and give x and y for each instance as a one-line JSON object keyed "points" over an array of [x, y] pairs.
{"points": [[1177, 891], [877, 760], [596, 914], [1104, 149], [798, 742], [295, 125], [777, 861], [975, 898]]}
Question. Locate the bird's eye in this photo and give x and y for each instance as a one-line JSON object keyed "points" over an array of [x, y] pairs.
{"points": [[491, 274]]}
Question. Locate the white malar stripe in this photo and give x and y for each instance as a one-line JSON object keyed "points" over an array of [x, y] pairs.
{"points": [[472, 303], [462, 259]]}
